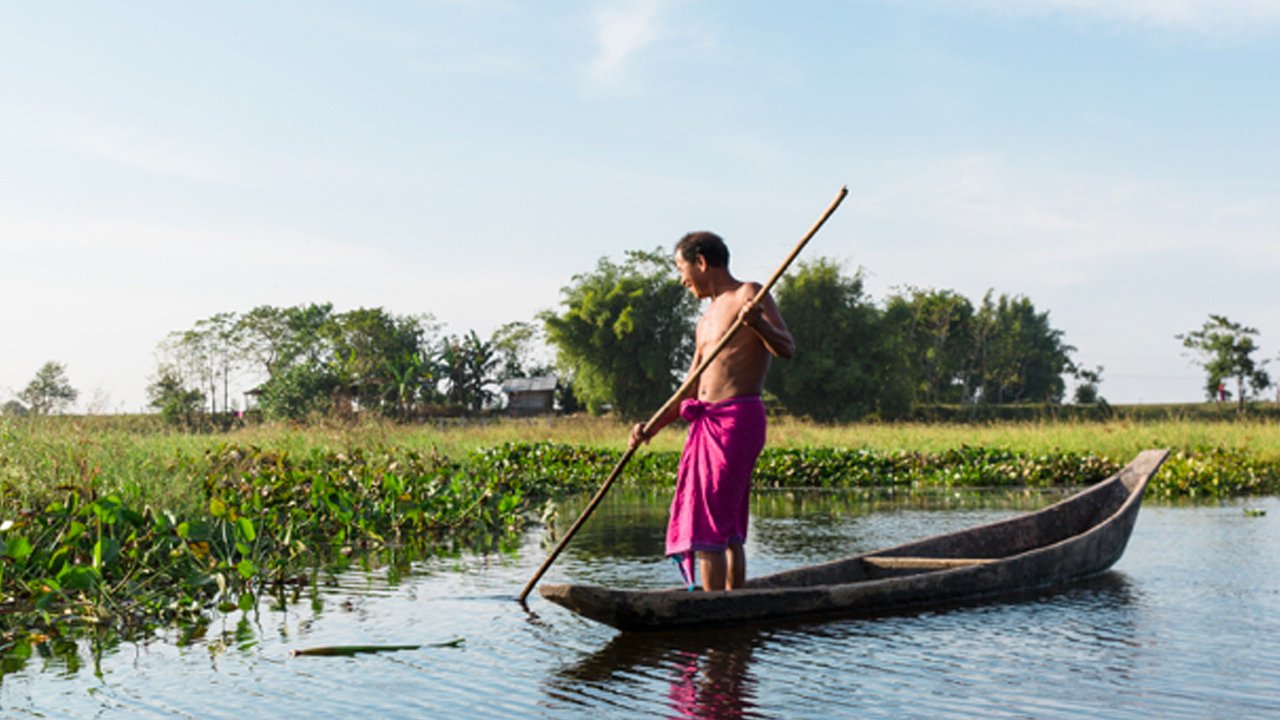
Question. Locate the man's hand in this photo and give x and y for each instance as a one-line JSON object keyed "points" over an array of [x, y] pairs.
{"points": [[751, 313], [637, 437]]}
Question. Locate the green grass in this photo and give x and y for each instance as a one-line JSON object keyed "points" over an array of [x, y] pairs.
{"points": [[138, 459], [1118, 440]]}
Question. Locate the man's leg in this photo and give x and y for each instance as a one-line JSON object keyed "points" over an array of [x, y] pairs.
{"points": [[723, 570], [711, 566], [736, 573]]}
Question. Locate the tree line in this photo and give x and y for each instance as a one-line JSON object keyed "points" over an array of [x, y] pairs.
{"points": [[625, 336], [622, 339], [310, 360]]}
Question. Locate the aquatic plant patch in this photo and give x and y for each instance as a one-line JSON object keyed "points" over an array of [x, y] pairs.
{"points": [[78, 559]]}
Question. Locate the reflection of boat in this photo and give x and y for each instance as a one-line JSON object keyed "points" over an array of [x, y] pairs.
{"points": [[1074, 538]]}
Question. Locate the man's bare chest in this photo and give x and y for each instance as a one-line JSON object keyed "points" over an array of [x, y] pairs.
{"points": [[713, 325]]}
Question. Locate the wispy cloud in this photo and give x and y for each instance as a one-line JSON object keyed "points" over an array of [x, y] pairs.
{"points": [[1211, 17], [99, 252], [622, 31], [1062, 228], [155, 155]]}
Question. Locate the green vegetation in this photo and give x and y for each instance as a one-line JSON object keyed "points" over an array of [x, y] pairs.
{"points": [[623, 337], [123, 524], [626, 331], [1225, 350], [49, 391], [313, 361]]}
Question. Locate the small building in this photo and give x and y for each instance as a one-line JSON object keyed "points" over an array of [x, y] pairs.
{"points": [[530, 396]]}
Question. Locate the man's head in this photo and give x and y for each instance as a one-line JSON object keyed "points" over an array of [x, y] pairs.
{"points": [[707, 244], [701, 257]]}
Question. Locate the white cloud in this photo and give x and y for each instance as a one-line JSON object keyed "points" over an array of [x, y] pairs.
{"points": [[95, 245], [1211, 17], [622, 31], [1061, 228], [155, 155]]}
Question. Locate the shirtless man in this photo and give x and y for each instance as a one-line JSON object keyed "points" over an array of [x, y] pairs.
{"points": [[725, 414]]}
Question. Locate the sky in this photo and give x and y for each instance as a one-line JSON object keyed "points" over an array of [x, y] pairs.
{"points": [[1115, 161]]}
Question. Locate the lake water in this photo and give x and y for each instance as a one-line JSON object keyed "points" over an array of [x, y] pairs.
{"points": [[1187, 624]]}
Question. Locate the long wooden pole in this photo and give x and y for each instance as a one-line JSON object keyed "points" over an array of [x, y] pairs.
{"points": [[684, 387]]}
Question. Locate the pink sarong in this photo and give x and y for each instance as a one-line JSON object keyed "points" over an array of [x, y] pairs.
{"points": [[713, 486]]}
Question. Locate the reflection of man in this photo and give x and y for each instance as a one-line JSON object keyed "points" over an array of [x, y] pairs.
{"points": [[725, 414], [717, 683]]}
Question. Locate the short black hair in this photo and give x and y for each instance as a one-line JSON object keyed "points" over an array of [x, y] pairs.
{"points": [[707, 244]]}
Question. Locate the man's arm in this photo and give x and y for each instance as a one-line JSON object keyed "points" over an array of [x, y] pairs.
{"points": [[766, 322]]}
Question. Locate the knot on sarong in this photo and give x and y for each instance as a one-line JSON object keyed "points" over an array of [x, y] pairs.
{"points": [[691, 409]]}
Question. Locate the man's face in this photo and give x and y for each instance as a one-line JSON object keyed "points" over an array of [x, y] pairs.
{"points": [[693, 275]]}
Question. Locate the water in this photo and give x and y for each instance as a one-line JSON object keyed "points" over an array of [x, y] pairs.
{"points": [[1186, 625]]}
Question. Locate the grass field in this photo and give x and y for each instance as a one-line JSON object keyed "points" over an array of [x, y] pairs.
{"points": [[138, 457]]}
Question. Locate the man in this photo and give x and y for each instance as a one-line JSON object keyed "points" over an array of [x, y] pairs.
{"points": [[725, 414]]}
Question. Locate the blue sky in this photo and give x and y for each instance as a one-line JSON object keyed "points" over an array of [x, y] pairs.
{"points": [[1115, 161]]}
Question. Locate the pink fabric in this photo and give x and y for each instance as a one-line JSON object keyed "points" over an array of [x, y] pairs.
{"points": [[713, 485]]}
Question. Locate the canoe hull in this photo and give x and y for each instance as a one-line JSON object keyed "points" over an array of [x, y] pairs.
{"points": [[1072, 539]]}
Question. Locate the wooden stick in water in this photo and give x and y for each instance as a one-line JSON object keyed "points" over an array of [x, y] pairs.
{"points": [[349, 650]]}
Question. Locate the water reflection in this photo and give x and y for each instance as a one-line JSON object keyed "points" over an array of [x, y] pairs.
{"points": [[707, 674], [1091, 627], [715, 684]]}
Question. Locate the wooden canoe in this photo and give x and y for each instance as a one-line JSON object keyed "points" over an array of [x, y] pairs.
{"points": [[1074, 538]]}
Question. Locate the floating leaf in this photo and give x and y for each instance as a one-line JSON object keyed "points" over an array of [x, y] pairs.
{"points": [[78, 577], [74, 531], [105, 552], [244, 527], [18, 548]]}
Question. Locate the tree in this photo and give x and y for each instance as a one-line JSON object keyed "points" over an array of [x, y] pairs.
{"points": [[1017, 356], [308, 359], [517, 345], [208, 353], [1225, 351], [470, 366], [1086, 392], [170, 396], [49, 391], [377, 358], [936, 337], [846, 364], [264, 337], [626, 333], [13, 408], [292, 344]]}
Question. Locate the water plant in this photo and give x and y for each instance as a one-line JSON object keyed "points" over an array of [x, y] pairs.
{"points": [[80, 559]]}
